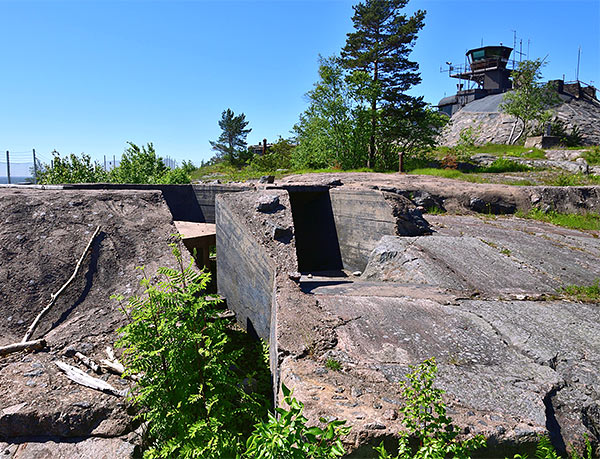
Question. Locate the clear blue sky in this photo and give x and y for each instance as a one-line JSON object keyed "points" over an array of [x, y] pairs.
{"points": [[87, 76]]}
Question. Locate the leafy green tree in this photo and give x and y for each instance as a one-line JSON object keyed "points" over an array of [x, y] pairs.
{"points": [[530, 99], [139, 165], [414, 129], [71, 169], [231, 144], [333, 131], [277, 156], [380, 45]]}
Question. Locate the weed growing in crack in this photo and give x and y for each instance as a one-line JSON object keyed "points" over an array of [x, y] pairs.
{"points": [[333, 364], [425, 419], [590, 293]]}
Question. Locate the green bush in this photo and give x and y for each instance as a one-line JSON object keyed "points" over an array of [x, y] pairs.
{"points": [[71, 169], [426, 420], [190, 390], [138, 165], [288, 437]]}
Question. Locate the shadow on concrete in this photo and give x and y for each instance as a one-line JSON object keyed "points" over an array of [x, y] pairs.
{"points": [[317, 245]]}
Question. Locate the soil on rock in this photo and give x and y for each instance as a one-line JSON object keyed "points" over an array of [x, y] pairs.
{"points": [[42, 235]]}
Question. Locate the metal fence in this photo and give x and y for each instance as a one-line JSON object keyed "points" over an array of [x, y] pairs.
{"points": [[22, 166]]}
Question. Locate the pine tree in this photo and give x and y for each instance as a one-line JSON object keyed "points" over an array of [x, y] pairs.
{"points": [[232, 141], [380, 45]]}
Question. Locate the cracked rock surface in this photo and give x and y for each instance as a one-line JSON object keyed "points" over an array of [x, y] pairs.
{"points": [[516, 359]]}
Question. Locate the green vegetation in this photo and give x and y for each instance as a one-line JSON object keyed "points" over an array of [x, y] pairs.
{"points": [[231, 144], [138, 165], [287, 436], [333, 364], [426, 420], [203, 386], [590, 293], [589, 221], [510, 150], [530, 99], [504, 165], [192, 388], [565, 179], [592, 156]]}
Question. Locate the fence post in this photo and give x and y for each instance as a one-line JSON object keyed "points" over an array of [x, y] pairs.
{"points": [[34, 168], [8, 167]]}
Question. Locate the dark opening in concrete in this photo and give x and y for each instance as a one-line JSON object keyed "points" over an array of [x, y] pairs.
{"points": [[317, 245]]}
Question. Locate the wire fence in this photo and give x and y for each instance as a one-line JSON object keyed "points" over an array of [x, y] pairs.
{"points": [[21, 166]]}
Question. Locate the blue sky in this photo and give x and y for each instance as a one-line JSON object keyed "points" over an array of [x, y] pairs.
{"points": [[87, 76]]}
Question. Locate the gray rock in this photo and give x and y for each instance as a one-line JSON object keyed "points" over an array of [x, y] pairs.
{"points": [[267, 179], [267, 203], [375, 426]]}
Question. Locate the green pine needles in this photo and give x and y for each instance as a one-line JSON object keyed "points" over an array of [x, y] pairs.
{"points": [[191, 391]]}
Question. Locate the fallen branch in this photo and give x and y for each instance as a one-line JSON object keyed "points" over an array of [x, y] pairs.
{"points": [[80, 377], [34, 345], [54, 297], [88, 362], [114, 366]]}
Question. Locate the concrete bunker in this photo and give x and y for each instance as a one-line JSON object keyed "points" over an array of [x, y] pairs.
{"points": [[417, 297]]}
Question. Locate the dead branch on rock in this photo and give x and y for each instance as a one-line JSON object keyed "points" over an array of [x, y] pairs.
{"points": [[80, 377], [114, 366], [54, 297], [34, 345], [88, 362]]}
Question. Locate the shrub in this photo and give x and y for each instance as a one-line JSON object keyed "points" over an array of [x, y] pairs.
{"points": [[71, 169], [426, 420], [288, 436], [188, 391]]}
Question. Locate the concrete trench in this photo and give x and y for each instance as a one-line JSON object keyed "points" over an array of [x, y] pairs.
{"points": [[479, 294], [414, 299]]}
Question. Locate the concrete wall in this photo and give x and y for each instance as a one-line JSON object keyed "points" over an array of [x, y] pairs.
{"points": [[192, 203], [245, 273], [205, 197], [361, 218]]}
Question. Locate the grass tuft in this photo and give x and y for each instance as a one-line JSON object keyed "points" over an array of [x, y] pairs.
{"points": [[583, 293], [589, 221]]}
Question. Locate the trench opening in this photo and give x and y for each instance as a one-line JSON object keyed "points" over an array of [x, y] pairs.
{"points": [[317, 245]]}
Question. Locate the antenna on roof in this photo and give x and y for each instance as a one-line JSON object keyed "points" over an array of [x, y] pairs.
{"points": [[578, 59]]}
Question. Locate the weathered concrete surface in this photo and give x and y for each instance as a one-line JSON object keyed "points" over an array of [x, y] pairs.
{"points": [[250, 253], [192, 203], [42, 235], [479, 294], [463, 197], [362, 217]]}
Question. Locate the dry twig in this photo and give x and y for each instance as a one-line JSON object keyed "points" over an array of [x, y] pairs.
{"points": [[34, 345], [54, 297]]}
